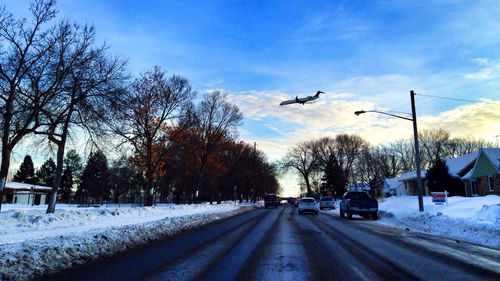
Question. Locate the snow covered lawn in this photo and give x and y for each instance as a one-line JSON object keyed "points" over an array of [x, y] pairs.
{"points": [[473, 219], [33, 243]]}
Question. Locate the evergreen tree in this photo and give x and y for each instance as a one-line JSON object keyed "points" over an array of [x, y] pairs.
{"points": [[438, 176], [66, 185], [73, 161], [333, 178], [439, 179], [120, 179], [95, 177], [26, 172], [46, 174]]}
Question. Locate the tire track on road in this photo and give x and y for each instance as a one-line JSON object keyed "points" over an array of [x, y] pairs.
{"points": [[139, 263], [280, 256], [234, 260], [206, 255], [377, 263], [326, 258], [430, 253]]}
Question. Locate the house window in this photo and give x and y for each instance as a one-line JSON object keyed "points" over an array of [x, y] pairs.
{"points": [[473, 188], [491, 183]]}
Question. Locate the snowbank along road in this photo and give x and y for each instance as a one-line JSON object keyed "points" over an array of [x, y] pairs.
{"points": [[279, 244]]}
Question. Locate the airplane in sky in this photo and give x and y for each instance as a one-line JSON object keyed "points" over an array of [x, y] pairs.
{"points": [[302, 100]]}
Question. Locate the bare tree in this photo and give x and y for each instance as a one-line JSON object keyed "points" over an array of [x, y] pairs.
{"points": [[212, 123], [434, 143], [464, 145], [301, 159], [348, 148], [322, 149], [22, 47], [374, 165], [404, 152], [153, 108], [89, 91]]}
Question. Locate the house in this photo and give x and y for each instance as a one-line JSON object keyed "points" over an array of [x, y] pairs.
{"points": [[483, 178], [479, 171], [393, 186], [409, 180], [24, 193]]}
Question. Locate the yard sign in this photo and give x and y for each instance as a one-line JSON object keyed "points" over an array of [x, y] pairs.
{"points": [[440, 198]]}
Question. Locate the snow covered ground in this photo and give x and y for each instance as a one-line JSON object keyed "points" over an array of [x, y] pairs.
{"points": [[473, 219], [33, 243]]}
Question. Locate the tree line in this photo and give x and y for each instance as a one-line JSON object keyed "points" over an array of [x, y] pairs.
{"points": [[334, 163], [56, 81]]}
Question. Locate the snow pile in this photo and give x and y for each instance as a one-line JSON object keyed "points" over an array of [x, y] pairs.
{"points": [[473, 219], [33, 243]]}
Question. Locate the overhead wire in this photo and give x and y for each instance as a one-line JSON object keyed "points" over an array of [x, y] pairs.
{"points": [[455, 99]]}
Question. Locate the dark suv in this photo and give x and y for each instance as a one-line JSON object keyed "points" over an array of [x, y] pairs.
{"points": [[271, 200], [359, 203]]}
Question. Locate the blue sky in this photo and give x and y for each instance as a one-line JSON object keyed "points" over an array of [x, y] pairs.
{"points": [[363, 54]]}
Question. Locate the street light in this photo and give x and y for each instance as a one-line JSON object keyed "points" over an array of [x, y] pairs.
{"points": [[415, 136]]}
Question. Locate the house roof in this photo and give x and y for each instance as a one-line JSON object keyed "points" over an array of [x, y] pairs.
{"points": [[26, 186], [458, 164], [412, 175], [494, 156], [468, 175], [392, 183]]}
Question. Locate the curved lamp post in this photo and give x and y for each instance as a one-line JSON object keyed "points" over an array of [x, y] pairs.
{"points": [[415, 136]]}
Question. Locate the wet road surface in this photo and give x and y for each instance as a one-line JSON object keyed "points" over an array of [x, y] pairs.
{"points": [[279, 244]]}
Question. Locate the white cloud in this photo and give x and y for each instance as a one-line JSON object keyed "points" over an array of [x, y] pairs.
{"points": [[481, 61], [479, 120], [489, 70], [483, 74]]}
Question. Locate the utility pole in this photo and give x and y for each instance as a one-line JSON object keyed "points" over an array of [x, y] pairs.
{"points": [[417, 153], [253, 178], [415, 136]]}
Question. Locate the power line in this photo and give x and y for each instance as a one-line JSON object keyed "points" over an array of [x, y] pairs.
{"points": [[464, 100]]}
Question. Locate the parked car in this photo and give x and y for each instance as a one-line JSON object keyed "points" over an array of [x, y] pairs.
{"points": [[326, 202], [308, 204], [360, 203], [271, 200]]}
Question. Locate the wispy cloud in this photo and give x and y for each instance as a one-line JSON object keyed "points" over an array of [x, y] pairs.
{"points": [[478, 119]]}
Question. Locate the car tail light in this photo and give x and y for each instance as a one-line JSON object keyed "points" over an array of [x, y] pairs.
{"points": [[349, 202]]}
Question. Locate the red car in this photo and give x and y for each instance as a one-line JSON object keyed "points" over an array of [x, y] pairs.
{"points": [[296, 202]]}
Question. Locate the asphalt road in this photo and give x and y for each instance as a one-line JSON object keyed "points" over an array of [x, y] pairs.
{"points": [[279, 244]]}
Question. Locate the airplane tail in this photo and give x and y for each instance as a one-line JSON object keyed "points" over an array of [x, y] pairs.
{"points": [[319, 92]]}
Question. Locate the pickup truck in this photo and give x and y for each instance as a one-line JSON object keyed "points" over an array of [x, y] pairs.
{"points": [[359, 203], [271, 200]]}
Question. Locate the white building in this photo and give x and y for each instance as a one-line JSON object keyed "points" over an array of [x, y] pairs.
{"points": [[24, 193], [393, 186]]}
